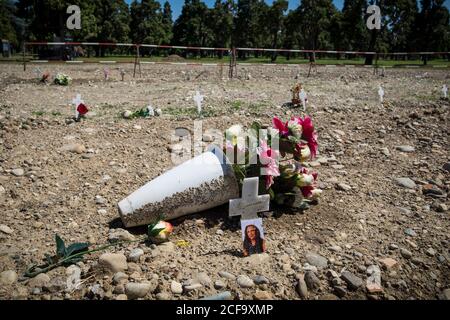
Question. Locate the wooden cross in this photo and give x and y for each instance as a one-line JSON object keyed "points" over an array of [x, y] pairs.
{"points": [[251, 203], [445, 90]]}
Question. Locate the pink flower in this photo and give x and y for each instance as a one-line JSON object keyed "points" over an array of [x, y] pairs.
{"points": [[268, 158], [310, 135], [280, 126]]}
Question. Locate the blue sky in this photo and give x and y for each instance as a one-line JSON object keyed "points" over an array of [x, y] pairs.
{"points": [[178, 4]]}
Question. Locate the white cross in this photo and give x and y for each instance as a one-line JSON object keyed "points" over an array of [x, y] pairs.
{"points": [[77, 101], [106, 73], [151, 112], [38, 72], [303, 97], [445, 90], [198, 98], [381, 94], [250, 204]]}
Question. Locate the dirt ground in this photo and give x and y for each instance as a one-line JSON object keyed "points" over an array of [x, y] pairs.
{"points": [[364, 216]]}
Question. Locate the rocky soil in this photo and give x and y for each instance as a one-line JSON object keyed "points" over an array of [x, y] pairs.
{"points": [[380, 231]]}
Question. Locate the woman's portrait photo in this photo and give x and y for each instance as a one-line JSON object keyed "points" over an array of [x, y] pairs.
{"points": [[253, 237]]}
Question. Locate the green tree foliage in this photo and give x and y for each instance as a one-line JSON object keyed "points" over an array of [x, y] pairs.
{"points": [[314, 24], [7, 30]]}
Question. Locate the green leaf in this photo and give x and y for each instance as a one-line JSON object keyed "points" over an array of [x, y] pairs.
{"points": [[76, 248], [60, 246], [154, 232]]}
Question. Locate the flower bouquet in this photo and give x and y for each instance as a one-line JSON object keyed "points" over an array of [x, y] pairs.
{"points": [[62, 79], [278, 155]]}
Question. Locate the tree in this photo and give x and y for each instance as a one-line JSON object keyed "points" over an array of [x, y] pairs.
{"points": [[192, 27], [275, 23], [432, 28], [167, 23], [221, 24], [315, 20], [7, 30], [401, 19], [354, 31]]}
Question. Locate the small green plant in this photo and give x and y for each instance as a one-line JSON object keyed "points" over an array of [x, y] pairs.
{"points": [[236, 105], [56, 113], [38, 113], [62, 79]]}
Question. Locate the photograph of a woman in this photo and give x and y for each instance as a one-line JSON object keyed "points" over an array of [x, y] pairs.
{"points": [[253, 237]]}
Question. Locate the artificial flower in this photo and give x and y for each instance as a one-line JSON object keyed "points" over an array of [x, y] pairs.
{"points": [[233, 133], [160, 232], [310, 135], [302, 152], [295, 127], [280, 126]]}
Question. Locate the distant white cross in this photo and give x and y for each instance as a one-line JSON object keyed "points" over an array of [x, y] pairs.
{"points": [[303, 97], [381, 94], [151, 112], [198, 98], [38, 72], [106, 73], [445, 90], [77, 101], [251, 203]]}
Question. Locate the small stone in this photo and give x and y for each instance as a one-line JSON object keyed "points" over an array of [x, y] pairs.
{"points": [[100, 200], [316, 260], [446, 167], [208, 137], [441, 207], [18, 172], [75, 148], [119, 234], [260, 280], [135, 254], [343, 187], [332, 274], [446, 294], [406, 149], [158, 112], [386, 152], [39, 281], [302, 288], [431, 252], [389, 263], [262, 295], [120, 278], [354, 282], [227, 275], [406, 182], [245, 282], [257, 260], [373, 283], [340, 291], [176, 287], [405, 253], [312, 281], [410, 232], [393, 246], [204, 279], [137, 290], [219, 284], [102, 211], [8, 277], [5, 229], [162, 295], [122, 297], [166, 247], [113, 261], [193, 287]]}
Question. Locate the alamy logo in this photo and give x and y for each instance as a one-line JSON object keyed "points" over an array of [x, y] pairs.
{"points": [[374, 21], [74, 21]]}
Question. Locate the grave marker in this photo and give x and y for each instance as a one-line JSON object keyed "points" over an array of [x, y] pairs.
{"points": [[445, 91], [251, 203], [381, 94]]}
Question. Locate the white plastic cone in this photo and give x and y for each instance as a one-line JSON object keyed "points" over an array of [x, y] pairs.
{"points": [[202, 183]]}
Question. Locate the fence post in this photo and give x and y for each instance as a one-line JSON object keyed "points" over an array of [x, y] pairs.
{"points": [[137, 61], [23, 56]]}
